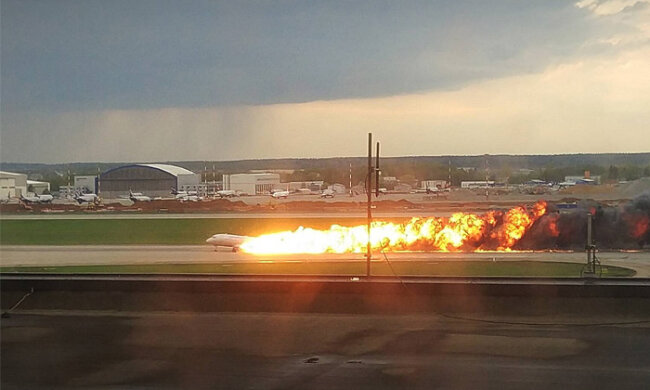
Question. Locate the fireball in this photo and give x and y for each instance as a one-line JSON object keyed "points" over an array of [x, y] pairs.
{"points": [[494, 230]]}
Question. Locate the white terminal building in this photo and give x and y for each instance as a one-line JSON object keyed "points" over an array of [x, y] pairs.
{"points": [[477, 184], [251, 183], [430, 184]]}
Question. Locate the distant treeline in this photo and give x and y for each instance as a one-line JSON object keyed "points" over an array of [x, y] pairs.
{"points": [[511, 168]]}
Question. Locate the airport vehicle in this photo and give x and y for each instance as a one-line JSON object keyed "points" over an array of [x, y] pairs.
{"points": [[227, 241], [227, 194], [86, 198], [138, 197], [327, 194], [280, 194], [37, 198]]}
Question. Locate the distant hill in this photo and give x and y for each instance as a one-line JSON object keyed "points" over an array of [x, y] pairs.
{"points": [[494, 161], [336, 169]]}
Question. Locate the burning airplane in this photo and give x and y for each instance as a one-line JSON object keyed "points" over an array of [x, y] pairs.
{"points": [[539, 227]]}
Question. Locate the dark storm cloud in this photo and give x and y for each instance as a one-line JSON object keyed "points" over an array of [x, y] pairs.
{"points": [[80, 55]]}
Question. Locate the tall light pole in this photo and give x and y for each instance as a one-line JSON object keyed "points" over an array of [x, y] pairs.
{"points": [[369, 203], [371, 170], [350, 180]]}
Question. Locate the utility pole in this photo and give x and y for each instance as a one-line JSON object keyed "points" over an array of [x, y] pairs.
{"points": [[205, 180], [350, 179], [377, 172], [591, 249], [369, 204], [69, 189], [371, 170], [487, 178], [99, 182]]}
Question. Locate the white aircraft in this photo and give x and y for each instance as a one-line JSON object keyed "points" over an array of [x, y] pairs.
{"points": [[228, 241], [226, 194], [86, 198], [280, 194], [138, 197], [183, 194], [328, 193], [37, 198], [191, 196]]}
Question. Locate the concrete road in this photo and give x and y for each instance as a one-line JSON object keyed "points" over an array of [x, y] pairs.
{"points": [[85, 349], [278, 214], [150, 254]]}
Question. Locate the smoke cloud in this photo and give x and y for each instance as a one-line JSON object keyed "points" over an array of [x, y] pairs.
{"points": [[623, 227]]}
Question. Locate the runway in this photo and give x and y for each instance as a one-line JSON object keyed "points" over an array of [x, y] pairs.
{"points": [[15, 256]]}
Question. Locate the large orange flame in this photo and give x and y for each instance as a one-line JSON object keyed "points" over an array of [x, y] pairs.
{"points": [[494, 230]]}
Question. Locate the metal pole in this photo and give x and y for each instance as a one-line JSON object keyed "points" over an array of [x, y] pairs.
{"points": [[590, 263], [487, 178], [377, 172], [369, 193], [350, 179]]}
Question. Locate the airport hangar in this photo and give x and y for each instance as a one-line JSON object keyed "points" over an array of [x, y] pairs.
{"points": [[150, 179], [252, 183], [12, 185]]}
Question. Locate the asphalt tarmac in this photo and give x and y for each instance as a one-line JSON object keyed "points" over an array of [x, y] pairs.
{"points": [[103, 350], [173, 254]]}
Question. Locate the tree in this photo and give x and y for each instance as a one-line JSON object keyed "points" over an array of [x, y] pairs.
{"points": [[612, 172]]}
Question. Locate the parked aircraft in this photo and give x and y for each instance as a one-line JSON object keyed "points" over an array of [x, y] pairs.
{"points": [[328, 193], [138, 197], [191, 196], [37, 198], [280, 194], [86, 198], [227, 194]]}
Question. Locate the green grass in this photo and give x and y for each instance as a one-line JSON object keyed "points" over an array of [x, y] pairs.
{"points": [[450, 268], [147, 231]]}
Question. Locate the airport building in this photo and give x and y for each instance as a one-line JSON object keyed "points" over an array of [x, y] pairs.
{"points": [[149, 179], [433, 184], [38, 187], [587, 179], [309, 186], [477, 184], [251, 183], [85, 184], [12, 185]]}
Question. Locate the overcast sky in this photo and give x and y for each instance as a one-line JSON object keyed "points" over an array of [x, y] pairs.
{"points": [[208, 80]]}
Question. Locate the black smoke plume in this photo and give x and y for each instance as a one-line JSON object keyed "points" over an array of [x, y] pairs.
{"points": [[623, 227]]}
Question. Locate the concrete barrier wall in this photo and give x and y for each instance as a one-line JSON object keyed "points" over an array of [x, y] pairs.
{"points": [[339, 295]]}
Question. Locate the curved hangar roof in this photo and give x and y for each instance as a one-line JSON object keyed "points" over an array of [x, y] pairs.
{"points": [[171, 169]]}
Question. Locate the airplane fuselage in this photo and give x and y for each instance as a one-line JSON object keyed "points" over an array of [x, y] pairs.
{"points": [[280, 194], [227, 241]]}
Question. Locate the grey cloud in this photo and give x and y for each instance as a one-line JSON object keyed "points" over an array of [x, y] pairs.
{"points": [[79, 55]]}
